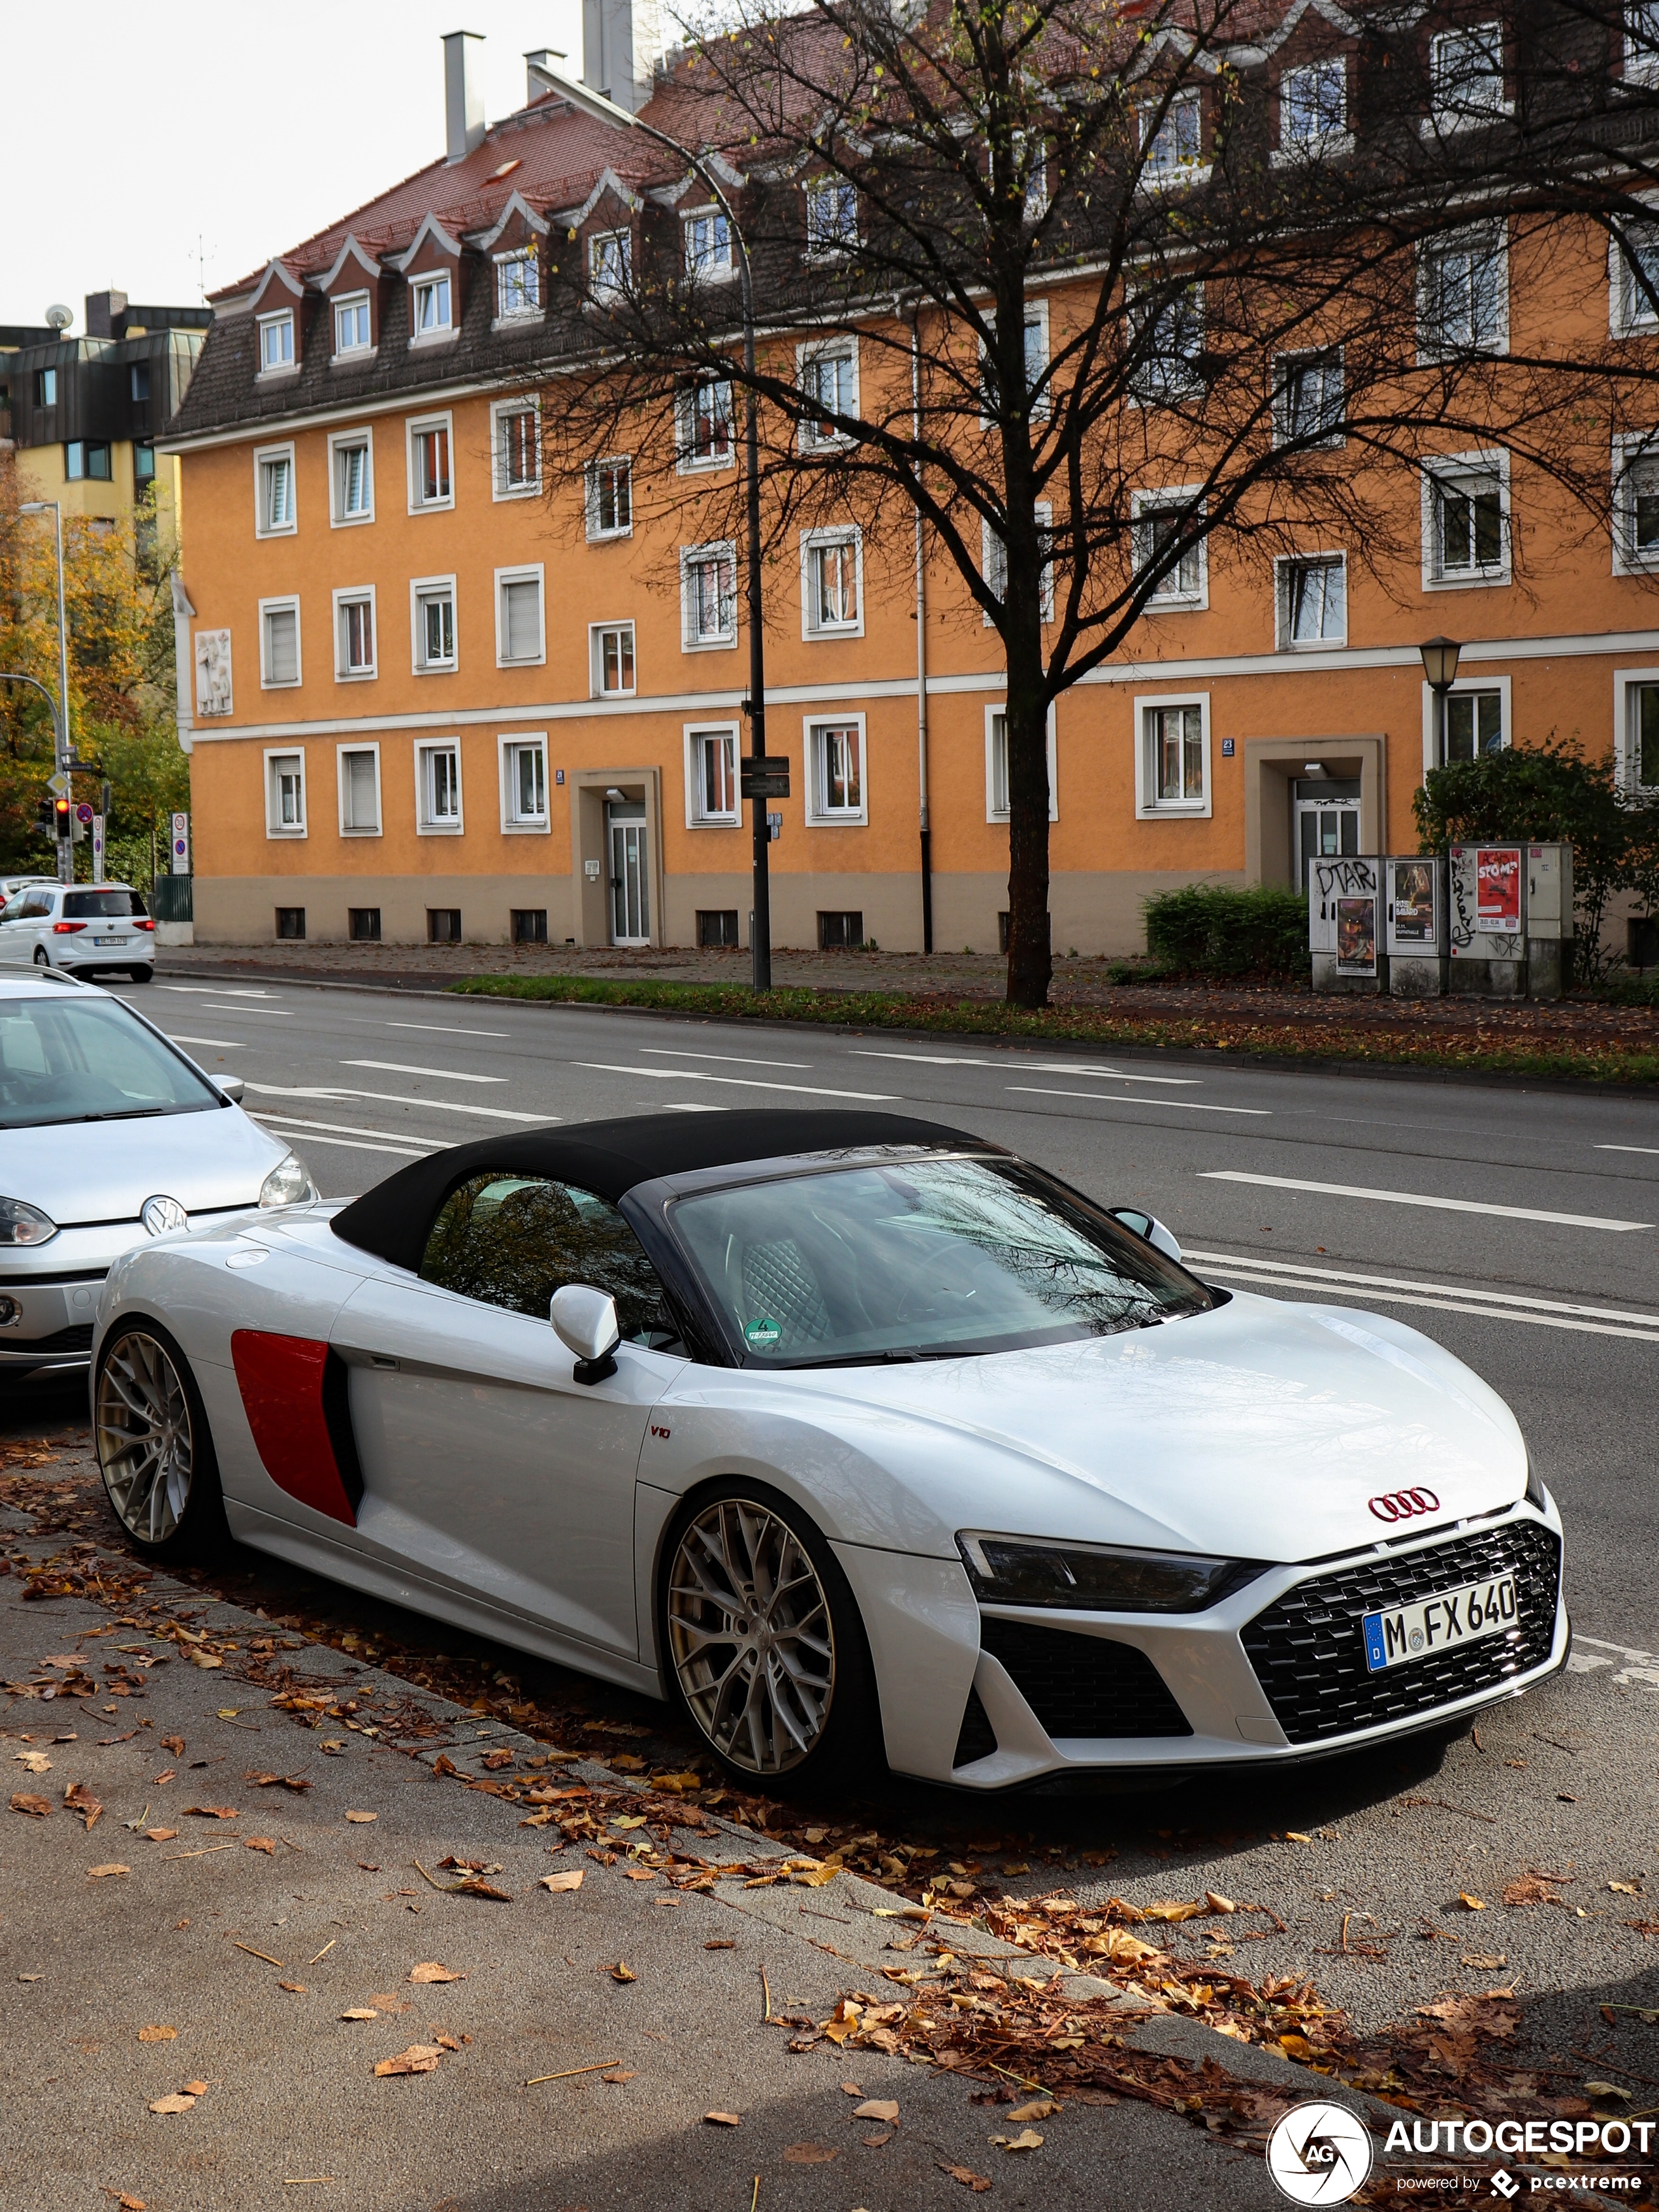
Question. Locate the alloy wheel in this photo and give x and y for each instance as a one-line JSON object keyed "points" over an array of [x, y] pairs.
{"points": [[146, 1444], [750, 1636]]}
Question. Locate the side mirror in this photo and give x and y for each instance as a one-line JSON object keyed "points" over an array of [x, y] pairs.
{"points": [[1149, 1227], [231, 1087], [584, 1321]]}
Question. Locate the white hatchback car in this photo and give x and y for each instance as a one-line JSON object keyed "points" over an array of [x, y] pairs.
{"points": [[109, 1136], [87, 928]]}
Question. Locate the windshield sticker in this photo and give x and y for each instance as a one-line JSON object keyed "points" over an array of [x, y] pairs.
{"points": [[762, 1336]]}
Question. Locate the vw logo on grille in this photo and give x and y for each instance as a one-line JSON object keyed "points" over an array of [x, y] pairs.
{"points": [[1403, 1504], [160, 1214]]}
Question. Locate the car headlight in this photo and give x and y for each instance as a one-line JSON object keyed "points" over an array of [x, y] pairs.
{"points": [[23, 1224], [1098, 1577], [287, 1184]]}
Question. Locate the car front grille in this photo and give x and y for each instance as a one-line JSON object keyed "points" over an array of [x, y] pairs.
{"points": [[75, 1339], [1309, 1653], [1083, 1685]]}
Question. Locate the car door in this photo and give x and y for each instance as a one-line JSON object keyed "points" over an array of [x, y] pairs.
{"points": [[486, 1464], [21, 931]]}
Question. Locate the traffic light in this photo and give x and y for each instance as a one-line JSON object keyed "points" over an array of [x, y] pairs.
{"points": [[63, 819], [46, 820]]}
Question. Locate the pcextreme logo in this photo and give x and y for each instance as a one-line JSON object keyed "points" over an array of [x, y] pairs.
{"points": [[1320, 2153]]}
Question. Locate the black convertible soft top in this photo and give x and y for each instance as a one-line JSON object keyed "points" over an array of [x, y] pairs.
{"points": [[610, 1158]]}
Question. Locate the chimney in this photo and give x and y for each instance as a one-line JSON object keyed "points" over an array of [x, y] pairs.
{"points": [[622, 42], [464, 108], [105, 312], [544, 67]]}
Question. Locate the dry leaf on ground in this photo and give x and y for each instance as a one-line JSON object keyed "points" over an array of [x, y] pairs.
{"points": [[214, 1812], [1473, 1903], [161, 1835], [361, 2012], [97, 1874], [1040, 2108], [721, 1943], [567, 1878], [295, 1782], [977, 2182], [494, 1761], [195, 2088], [1027, 2139], [617, 2074], [877, 2108], [25, 1801], [626, 1763], [173, 2104], [419, 2059], [77, 1798], [264, 1843], [622, 1972], [808, 2153], [361, 1817], [724, 2119], [158, 2035], [1607, 2089], [430, 1970], [295, 1989], [175, 1744], [36, 1761]]}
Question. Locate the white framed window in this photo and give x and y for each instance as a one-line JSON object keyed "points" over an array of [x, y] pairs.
{"points": [[828, 378], [438, 787], [1166, 336], [524, 784], [1477, 720], [996, 766], [518, 285], [1313, 109], [994, 562], [521, 637], [353, 633], [1308, 399], [1463, 292], [1172, 755], [275, 514], [832, 217], [515, 438], [352, 326], [357, 771], [712, 797], [431, 482], [279, 644], [609, 497], [1636, 730], [702, 422], [837, 789], [276, 344], [1311, 596], [832, 583], [1465, 77], [706, 232], [285, 794], [351, 477], [1633, 273], [610, 265], [1030, 146], [1466, 521], [709, 597], [610, 659], [1167, 527], [1036, 366], [1635, 503], [431, 307], [1641, 42], [432, 625], [1172, 143]]}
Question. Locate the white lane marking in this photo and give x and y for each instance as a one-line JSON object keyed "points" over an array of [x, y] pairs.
{"points": [[271, 1013], [438, 1074], [356, 1145], [224, 1044], [1641, 1669], [695, 1109], [1628, 1148], [1116, 1074], [444, 1028], [395, 1098], [1111, 1098], [1464, 1306], [209, 990], [743, 1082], [1418, 1198], [925, 1059], [339, 1128], [1258, 1265], [731, 1059]]}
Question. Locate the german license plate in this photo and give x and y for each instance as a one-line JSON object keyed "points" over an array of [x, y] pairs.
{"points": [[109, 940], [1405, 1633]]}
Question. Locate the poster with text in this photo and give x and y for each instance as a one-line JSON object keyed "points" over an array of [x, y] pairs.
{"points": [[1497, 889], [1414, 903], [1356, 936]]}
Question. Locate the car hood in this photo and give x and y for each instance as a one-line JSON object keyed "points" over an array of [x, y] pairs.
{"points": [[1261, 1430], [88, 1171]]}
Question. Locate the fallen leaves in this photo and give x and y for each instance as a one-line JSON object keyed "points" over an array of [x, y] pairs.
{"points": [[156, 2034], [724, 2119], [361, 2012], [567, 1878], [97, 1872], [979, 2183], [161, 1835], [622, 1972], [1471, 1903], [265, 1844], [213, 1812], [419, 2059], [877, 2108], [295, 1782], [176, 2103], [1535, 1888], [361, 1818], [430, 1970], [36, 1761], [721, 1943], [175, 1744], [618, 2075], [1607, 2089], [77, 1798], [25, 1801], [1027, 2139], [1039, 2108]]}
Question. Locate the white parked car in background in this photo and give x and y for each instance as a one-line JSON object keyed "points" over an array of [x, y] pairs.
{"points": [[109, 1135], [10, 885], [87, 928]]}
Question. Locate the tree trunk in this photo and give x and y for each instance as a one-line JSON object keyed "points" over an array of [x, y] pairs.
{"points": [[1031, 964]]}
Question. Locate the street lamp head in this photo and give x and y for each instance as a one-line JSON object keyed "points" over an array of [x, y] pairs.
{"points": [[1440, 658], [586, 101]]}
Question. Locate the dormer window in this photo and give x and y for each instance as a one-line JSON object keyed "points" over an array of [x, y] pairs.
{"points": [[1313, 106], [707, 243], [351, 325], [277, 343], [430, 306], [1466, 76], [1172, 143], [517, 285], [832, 217], [609, 264]]}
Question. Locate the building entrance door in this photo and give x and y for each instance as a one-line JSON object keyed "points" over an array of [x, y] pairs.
{"points": [[630, 871], [1325, 823]]}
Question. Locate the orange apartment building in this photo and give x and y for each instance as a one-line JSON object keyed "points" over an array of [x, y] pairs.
{"points": [[431, 703]]}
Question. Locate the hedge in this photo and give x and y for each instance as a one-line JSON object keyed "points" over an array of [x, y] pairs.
{"points": [[1214, 929]]}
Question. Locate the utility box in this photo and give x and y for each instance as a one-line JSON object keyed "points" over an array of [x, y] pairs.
{"points": [[1346, 926], [1549, 919], [1486, 901], [1415, 940]]}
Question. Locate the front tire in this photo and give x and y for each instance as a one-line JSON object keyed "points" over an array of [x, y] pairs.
{"points": [[42, 957], [154, 1449], [763, 1643]]}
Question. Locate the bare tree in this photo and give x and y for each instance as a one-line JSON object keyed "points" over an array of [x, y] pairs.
{"points": [[1130, 294]]}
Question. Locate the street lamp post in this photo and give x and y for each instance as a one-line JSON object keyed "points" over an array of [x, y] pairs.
{"points": [[1440, 658], [608, 111], [60, 720]]}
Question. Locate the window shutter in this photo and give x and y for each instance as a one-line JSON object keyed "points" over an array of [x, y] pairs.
{"points": [[523, 623], [282, 645]]}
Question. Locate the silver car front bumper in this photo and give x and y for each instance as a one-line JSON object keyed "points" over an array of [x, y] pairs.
{"points": [[49, 1297]]}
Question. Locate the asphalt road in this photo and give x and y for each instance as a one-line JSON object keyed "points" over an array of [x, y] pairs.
{"points": [[1519, 1228]]}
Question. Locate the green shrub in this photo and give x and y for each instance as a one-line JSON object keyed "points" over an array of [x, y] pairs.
{"points": [[1215, 929]]}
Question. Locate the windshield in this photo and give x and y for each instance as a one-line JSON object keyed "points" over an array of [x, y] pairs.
{"points": [[936, 1258], [87, 1059], [101, 906]]}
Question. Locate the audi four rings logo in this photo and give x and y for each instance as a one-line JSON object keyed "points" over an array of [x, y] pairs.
{"points": [[1403, 1504]]}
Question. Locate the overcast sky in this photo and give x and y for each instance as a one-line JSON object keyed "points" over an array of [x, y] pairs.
{"points": [[167, 151]]}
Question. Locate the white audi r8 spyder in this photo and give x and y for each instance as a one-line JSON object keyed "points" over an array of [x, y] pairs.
{"points": [[851, 1434]]}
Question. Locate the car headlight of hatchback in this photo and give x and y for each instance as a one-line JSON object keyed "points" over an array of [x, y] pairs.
{"points": [[287, 1184], [1098, 1577], [23, 1224]]}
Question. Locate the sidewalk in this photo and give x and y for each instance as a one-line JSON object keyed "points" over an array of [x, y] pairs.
{"points": [[206, 1936]]}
